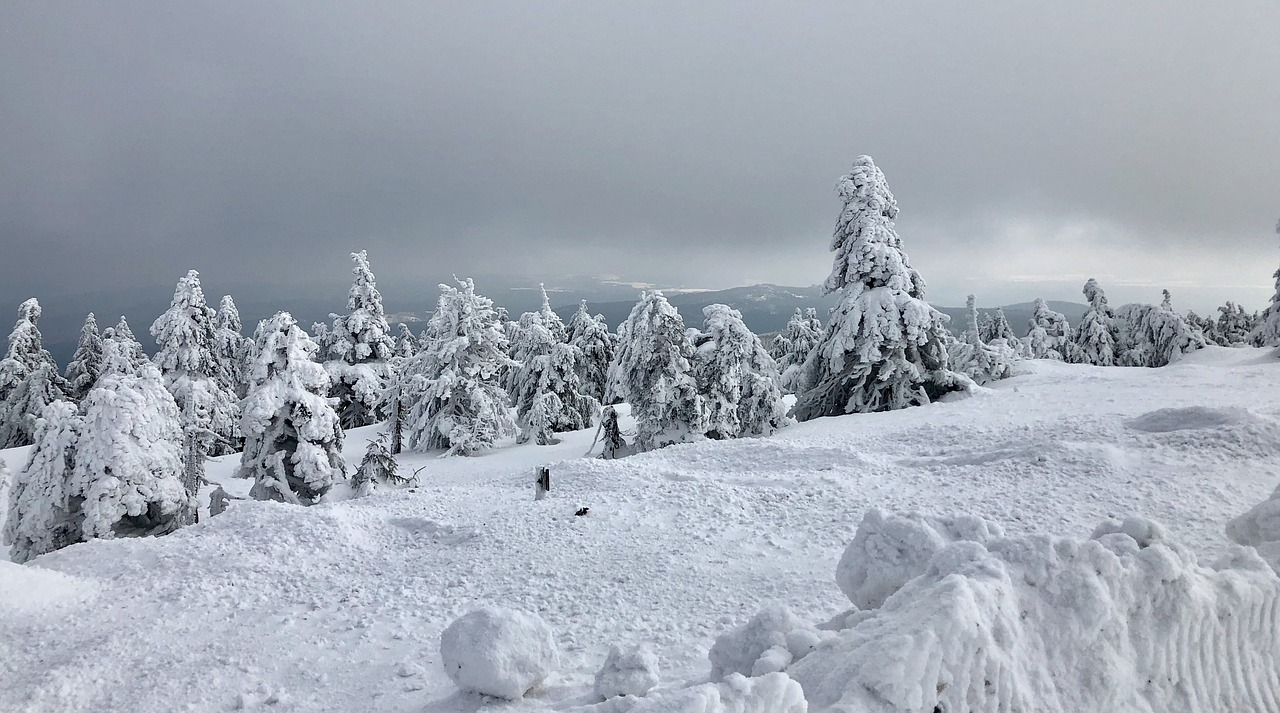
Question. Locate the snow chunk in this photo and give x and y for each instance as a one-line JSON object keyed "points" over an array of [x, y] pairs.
{"points": [[888, 550], [498, 652], [1125, 621], [769, 642], [633, 672], [774, 693]]}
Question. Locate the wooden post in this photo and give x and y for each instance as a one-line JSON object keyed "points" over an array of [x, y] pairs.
{"points": [[543, 484]]}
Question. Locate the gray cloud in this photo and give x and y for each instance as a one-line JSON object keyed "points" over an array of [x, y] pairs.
{"points": [[1028, 143]]}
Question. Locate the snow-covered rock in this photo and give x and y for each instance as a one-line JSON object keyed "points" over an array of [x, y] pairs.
{"points": [[767, 643], [1124, 621], [498, 652], [627, 672], [888, 550]]}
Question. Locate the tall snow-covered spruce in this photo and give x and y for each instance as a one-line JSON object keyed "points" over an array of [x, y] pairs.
{"points": [[406, 344], [737, 378], [1267, 332], [86, 363], [591, 336], [29, 379], [231, 349], [293, 439], [1048, 333], [134, 356], [185, 338], [359, 349], [884, 347], [790, 348], [455, 398], [653, 371], [1094, 341]]}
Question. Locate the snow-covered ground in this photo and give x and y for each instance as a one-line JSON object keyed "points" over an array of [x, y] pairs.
{"points": [[340, 607]]}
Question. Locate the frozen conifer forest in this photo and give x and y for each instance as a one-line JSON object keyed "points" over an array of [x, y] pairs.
{"points": [[527, 358]]}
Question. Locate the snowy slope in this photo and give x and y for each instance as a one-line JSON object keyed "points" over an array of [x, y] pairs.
{"points": [[340, 607]]}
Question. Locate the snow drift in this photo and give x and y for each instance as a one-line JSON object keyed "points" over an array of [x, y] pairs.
{"points": [[1124, 621]]}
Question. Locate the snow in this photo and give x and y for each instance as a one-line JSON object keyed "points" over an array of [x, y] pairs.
{"points": [[340, 606], [498, 652], [629, 672]]}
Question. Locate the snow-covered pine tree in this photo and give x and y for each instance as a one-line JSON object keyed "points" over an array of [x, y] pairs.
{"points": [[455, 399], [884, 347], [128, 460], [231, 349], [1234, 325], [134, 355], [1206, 326], [43, 513], [653, 372], [86, 363], [792, 345], [322, 337], [293, 439], [29, 379], [983, 362], [987, 328], [737, 378], [1001, 330], [615, 445], [549, 397], [1095, 336], [1267, 331], [393, 402], [591, 336], [359, 349], [1047, 333], [378, 468], [406, 344], [208, 408], [1153, 336], [550, 319]]}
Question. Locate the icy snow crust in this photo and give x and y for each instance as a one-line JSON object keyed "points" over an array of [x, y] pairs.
{"points": [[340, 606]]}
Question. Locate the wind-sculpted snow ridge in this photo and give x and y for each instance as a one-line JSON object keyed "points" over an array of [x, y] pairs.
{"points": [[1124, 621]]}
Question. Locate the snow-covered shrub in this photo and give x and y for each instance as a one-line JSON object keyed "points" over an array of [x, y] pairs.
{"points": [[632, 671], [86, 363], [498, 652], [29, 379], [1094, 341], [360, 346], [42, 516], [1123, 621], [293, 440], [737, 378], [1047, 333], [889, 550], [976, 359], [377, 468], [653, 371], [454, 397], [128, 460], [768, 642], [884, 347]]}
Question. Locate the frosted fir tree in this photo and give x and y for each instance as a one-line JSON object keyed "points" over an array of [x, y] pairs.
{"points": [[884, 347], [320, 335], [1153, 336], [359, 349], [393, 403], [406, 344], [133, 353], [378, 468], [185, 339], [654, 373], [293, 439], [128, 461], [1267, 331], [549, 397], [1234, 325], [1001, 330], [791, 347], [987, 327], [44, 513], [1095, 337], [1047, 333], [596, 344], [550, 319], [86, 362], [231, 349], [737, 378], [29, 379], [1207, 327], [983, 362], [456, 401]]}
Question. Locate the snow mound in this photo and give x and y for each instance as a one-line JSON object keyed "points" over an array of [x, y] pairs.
{"points": [[773, 693], [498, 652], [26, 589], [1123, 621], [768, 643], [633, 672], [1166, 420], [1260, 528], [1236, 433], [888, 550]]}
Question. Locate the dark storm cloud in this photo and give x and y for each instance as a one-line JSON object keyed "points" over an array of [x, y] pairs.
{"points": [[684, 142]]}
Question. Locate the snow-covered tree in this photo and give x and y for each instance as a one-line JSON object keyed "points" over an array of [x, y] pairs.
{"points": [[597, 345], [987, 327], [128, 460], [86, 363], [378, 468], [406, 344], [323, 338], [456, 401], [983, 362], [550, 319], [231, 349], [1205, 325], [653, 371], [549, 397], [1095, 336], [1234, 325], [209, 410], [359, 349], [133, 353], [790, 348], [737, 378], [43, 511], [1001, 330], [1267, 331], [884, 347], [29, 379], [1047, 333], [293, 440], [1154, 336]]}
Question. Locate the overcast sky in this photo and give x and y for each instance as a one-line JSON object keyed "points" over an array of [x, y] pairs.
{"points": [[1030, 145]]}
